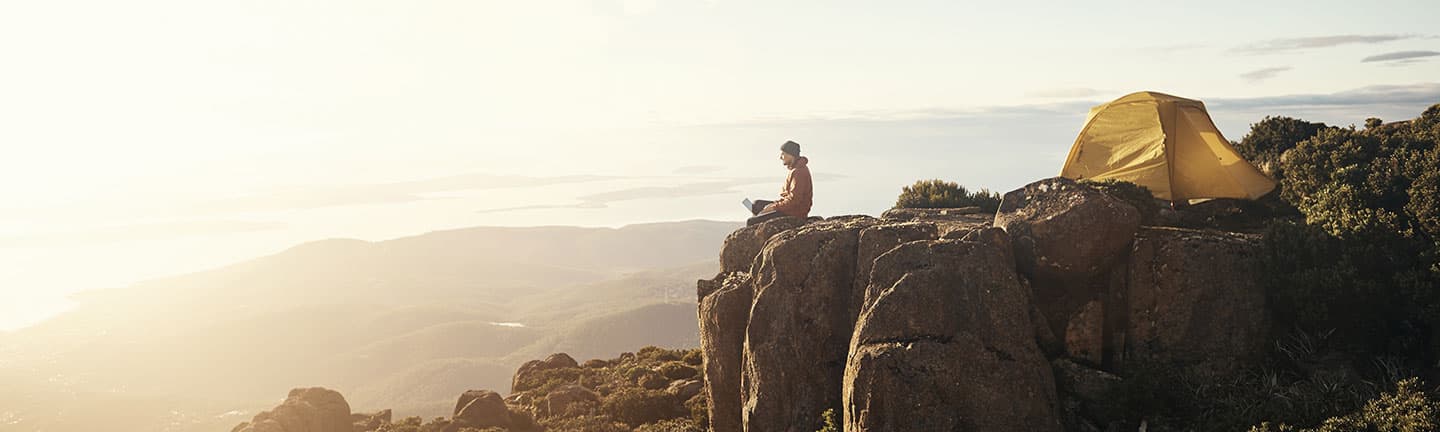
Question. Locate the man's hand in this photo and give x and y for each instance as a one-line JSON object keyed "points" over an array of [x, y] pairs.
{"points": [[768, 207]]}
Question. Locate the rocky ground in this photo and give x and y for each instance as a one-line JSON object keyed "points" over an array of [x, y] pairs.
{"points": [[919, 320], [654, 389], [952, 320]]}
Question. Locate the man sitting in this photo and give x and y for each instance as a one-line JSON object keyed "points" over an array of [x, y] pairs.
{"points": [[795, 195]]}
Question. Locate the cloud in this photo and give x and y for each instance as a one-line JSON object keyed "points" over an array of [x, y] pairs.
{"points": [[1400, 56], [124, 233], [1064, 93], [1421, 94], [1287, 45], [1258, 75]]}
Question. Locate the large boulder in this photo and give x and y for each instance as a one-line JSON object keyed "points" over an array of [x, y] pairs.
{"points": [[723, 315], [931, 214], [744, 244], [1066, 236], [877, 240], [948, 221], [313, 409], [526, 377], [1063, 230], [799, 330], [1196, 299], [947, 345], [481, 409]]}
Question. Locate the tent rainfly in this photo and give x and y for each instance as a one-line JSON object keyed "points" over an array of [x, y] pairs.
{"points": [[1165, 143]]}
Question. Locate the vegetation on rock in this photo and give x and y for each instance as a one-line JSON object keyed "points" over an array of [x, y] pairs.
{"points": [[943, 194], [1407, 409], [1351, 270]]}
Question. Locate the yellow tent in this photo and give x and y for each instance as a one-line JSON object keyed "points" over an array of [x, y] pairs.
{"points": [[1165, 143]]}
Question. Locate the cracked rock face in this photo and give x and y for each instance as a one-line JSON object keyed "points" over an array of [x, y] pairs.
{"points": [[1065, 231], [744, 244], [799, 329], [877, 240], [1196, 300], [724, 314], [947, 345], [1066, 237]]}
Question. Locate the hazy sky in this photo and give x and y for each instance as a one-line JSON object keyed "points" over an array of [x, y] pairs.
{"points": [[148, 138]]}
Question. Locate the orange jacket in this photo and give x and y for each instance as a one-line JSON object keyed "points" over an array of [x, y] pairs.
{"points": [[796, 195]]}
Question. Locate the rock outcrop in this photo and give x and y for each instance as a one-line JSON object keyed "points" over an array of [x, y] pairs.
{"points": [[526, 377], [941, 320], [1064, 231], [946, 345], [799, 330], [481, 409], [744, 244], [1195, 299], [875, 241], [314, 409], [1067, 238], [724, 313]]}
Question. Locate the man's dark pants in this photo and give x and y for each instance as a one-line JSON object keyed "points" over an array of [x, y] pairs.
{"points": [[755, 209]]}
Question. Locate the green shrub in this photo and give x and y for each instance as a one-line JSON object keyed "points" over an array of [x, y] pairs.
{"points": [[942, 194], [652, 354], [675, 370], [1407, 409], [1364, 259], [671, 425], [828, 422], [694, 358], [638, 406], [545, 380], [699, 407], [1271, 137], [589, 423]]}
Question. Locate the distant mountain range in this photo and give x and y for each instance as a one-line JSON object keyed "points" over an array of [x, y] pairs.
{"points": [[404, 324]]}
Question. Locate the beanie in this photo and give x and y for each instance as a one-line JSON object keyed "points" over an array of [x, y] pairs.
{"points": [[791, 147]]}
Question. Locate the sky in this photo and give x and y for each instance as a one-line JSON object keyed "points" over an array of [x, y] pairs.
{"points": [[150, 138]]}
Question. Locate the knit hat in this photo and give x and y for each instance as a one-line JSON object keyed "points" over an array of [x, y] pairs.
{"points": [[791, 147]]}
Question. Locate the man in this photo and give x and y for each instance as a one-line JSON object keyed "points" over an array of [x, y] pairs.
{"points": [[795, 195]]}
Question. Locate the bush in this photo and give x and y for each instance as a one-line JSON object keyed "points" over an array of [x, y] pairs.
{"points": [[1407, 409], [942, 194], [675, 370], [548, 379], [828, 422], [694, 358], [1364, 259], [637, 406], [699, 407], [672, 425], [653, 354], [590, 423], [1270, 138]]}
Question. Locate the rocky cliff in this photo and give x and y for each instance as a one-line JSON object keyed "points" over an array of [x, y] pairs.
{"points": [[951, 320]]}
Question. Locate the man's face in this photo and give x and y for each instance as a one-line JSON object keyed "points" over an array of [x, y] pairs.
{"points": [[786, 158]]}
